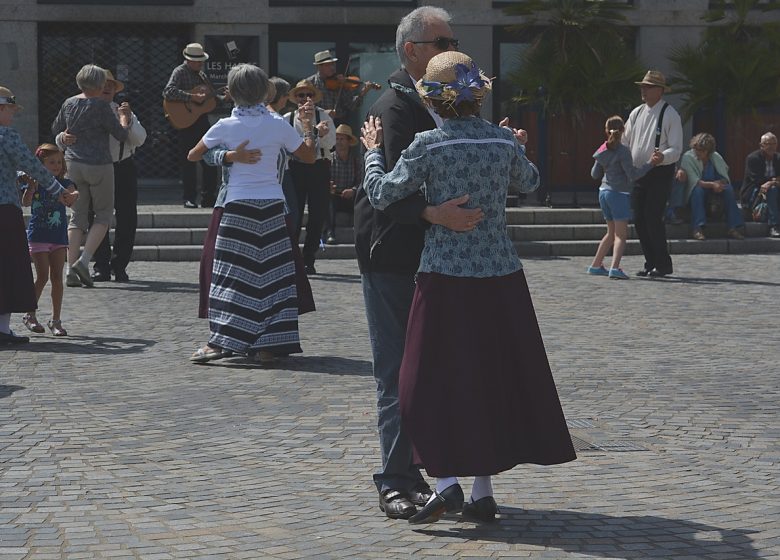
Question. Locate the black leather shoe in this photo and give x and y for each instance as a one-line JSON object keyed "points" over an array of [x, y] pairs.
{"points": [[101, 276], [11, 338], [449, 499], [396, 505], [642, 272], [420, 494], [309, 268], [121, 276], [484, 509], [190, 204], [659, 272]]}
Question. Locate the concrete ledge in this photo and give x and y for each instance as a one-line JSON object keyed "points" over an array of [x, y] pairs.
{"points": [[693, 247]]}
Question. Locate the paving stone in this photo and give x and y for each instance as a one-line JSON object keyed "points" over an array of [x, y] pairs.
{"points": [[112, 445]]}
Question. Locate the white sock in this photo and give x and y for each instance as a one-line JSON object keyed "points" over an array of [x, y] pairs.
{"points": [[443, 483], [5, 323], [482, 488], [85, 257]]}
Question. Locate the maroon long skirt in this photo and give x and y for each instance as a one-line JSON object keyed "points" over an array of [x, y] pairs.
{"points": [[302, 285], [17, 290], [476, 392]]}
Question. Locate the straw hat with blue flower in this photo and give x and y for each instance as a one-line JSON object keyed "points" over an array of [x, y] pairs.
{"points": [[452, 79]]}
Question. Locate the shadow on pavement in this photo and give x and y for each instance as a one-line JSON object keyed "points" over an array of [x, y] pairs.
{"points": [[7, 390], [694, 280], [140, 285], [341, 278], [90, 345], [331, 365], [593, 534]]}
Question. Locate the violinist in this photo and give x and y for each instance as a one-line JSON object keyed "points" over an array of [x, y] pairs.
{"points": [[340, 94]]}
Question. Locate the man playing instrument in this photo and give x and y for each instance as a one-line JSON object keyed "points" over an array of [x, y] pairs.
{"points": [[185, 78], [339, 101]]}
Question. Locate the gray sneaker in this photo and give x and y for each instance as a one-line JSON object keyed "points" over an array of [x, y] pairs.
{"points": [[83, 273], [72, 279]]}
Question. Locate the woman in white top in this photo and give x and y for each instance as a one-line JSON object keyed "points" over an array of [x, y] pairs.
{"points": [[253, 306]]}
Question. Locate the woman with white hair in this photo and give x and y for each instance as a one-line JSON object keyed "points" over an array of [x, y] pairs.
{"points": [[476, 392], [253, 307], [91, 119]]}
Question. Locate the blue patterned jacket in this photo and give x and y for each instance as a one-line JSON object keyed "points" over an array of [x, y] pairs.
{"points": [[465, 156], [15, 156]]}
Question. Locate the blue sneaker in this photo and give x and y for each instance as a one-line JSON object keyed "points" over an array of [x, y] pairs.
{"points": [[618, 274], [600, 271]]}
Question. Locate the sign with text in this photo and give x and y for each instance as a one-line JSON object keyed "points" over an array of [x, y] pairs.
{"points": [[225, 51]]}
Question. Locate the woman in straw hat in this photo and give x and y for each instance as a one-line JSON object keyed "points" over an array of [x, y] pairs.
{"points": [[477, 395], [17, 291], [253, 305]]}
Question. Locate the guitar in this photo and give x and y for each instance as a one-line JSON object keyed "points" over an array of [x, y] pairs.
{"points": [[183, 114]]}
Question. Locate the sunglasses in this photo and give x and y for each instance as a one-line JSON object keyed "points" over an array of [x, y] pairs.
{"points": [[8, 100], [441, 43], [304, 95]]}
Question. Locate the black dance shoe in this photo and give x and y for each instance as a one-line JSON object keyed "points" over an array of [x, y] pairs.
{"points": [[121, 276], [11, 338], [448, 500], [484, 509], [396, 505], [659, 272], [420, 494], [101, 276]]}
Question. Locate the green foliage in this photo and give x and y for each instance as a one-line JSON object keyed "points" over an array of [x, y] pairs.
{"points": [[736, 62], [578, 59]]}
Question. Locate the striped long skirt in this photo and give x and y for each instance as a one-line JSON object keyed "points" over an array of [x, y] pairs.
{"points": [[253, 302]]}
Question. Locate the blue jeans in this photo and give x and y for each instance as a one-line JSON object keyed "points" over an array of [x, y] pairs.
{"points": [[772, 202], [388, 299], [699, 214]]}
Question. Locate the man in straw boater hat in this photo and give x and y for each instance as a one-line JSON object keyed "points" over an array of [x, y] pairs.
{"points": [[338, 101], [186, 77], [389, 244], [653, 127], [346, 175], [17, 290], [311, 180]]}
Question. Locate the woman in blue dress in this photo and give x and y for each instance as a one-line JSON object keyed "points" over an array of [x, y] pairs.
{"points": [[476, 392]]}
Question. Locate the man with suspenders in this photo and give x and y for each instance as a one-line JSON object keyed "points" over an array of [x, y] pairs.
{"points": [[312, 180], [653, 126]]}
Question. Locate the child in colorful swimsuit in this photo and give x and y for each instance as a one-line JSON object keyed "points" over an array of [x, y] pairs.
{"points": [[47, 235]]}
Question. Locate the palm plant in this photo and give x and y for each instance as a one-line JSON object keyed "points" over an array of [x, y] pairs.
{"points": [[736, 63], [578, 60]]}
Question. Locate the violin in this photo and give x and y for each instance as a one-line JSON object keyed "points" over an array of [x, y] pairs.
{"points": [[349, 83]]}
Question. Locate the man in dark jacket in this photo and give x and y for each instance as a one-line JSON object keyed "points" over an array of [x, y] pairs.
{"points": [[762, 168], [389, 245]]}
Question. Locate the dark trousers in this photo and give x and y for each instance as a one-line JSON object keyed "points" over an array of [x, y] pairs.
{"points": [[649, 200], [311, 182], [188, 137], [126, 214], [337, 204]]}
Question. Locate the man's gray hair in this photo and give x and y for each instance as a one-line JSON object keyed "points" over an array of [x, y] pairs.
{"points": [[768, 137], [247, 85], [412, 27], [282, 88], [91, 77]]}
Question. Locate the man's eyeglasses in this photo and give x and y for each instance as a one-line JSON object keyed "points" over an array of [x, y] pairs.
{"points": [[304, 95], [8, 100], [441, 43]]}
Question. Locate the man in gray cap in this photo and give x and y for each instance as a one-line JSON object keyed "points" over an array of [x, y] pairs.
{"points": [[340, 98]]}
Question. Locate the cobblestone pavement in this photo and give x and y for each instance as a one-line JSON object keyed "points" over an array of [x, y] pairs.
{"points": [[113, 446]]}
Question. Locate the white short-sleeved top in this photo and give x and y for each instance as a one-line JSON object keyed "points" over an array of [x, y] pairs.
{"points": [[256, 181]]}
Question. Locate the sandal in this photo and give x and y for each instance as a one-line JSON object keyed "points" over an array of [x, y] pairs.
{"points": [[32, 324], [56, 328], [207, 354]]}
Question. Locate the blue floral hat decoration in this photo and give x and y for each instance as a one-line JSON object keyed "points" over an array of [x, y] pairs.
{"points": [[453, 77]]}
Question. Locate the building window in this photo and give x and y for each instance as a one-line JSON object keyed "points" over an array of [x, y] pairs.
{"points": [[351, 3], [122, 2]]}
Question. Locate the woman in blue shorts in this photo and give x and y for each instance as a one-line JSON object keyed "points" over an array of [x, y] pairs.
{"points": [[617, 173]]}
